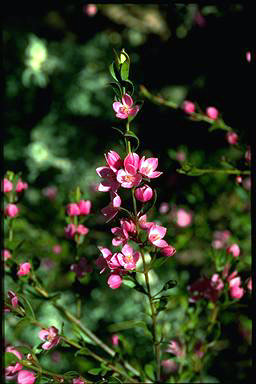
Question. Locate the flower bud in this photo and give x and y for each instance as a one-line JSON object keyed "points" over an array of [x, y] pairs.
{"points": [[232, 138], [11, 210], [26, 377], [84, 207], [70, 231], [21, 186], [188, 107], [73, 209], [144, 193], [6, 185], [114, 281], [234, 249], [212, 113], [24, 269]]}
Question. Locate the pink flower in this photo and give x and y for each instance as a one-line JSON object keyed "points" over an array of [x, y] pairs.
{"points": [[114, 161], [78, 380], [21, 186], [234, 249], [175, 348], [169, 365], [82, 230], [144, 224], [144, 193], [57, 249], [24, 269], [147, 167], [184, 218], [212, 113], [236, 291], [11, 370], [115, 340], [26, 377], [109, 182], [112, 209], [217, 282], [121, 236], [155, 235], [90, 10], [168, 251], [128, 226], [70, 230], [125, 109], [50, 334], [232, 138], [6, 185], [11, 210], [247, 183], [73, 209], [188, 107], [181, 156], [239, 179], [203, 288], [128, 177], [84, 207], [220, 239], [114, 281], [6, 254], [128, 257], [248, 56], [13, 298], [102, 261]]}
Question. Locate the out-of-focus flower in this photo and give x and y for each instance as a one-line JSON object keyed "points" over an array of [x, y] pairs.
{"points": [[203, 288], [247, 183], [13, 298], [84, 207], [212, 113], [6, 254], [249, 284], [21, 186], [234, 249], [184, 218], [181, 156], [50, 192], [11, 370], [239, 179], [147, 167], [125, 109], [57, 248], [248, 56], [248, 155], [114, 281], [81, 268], [24, 269], [175, 347], [90, 10], [6, 185], [236, 291], [115, 340], [155, 235], [51, 336], [232, 138], [26, 377], [217, 282], [188, 107], [144, 193], [70, 230], [82, 230], [56, 357], [164, 208], [198, 349], [169, 365], [11, 210], [220, 239], [73, 209]]}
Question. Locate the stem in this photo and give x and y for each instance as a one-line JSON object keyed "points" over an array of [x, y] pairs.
{"points": [[153, 316], [128, 141], [56, 376]]}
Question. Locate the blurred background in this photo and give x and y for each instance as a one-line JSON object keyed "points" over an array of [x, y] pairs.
{"points": [[58, 120]]}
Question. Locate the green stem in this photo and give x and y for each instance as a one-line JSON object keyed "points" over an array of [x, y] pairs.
{"points": [[57, 377], [127, 140]]}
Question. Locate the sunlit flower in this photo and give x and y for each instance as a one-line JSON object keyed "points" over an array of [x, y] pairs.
{"points": [[50, 336], [147, 167], [128, 257], [155, 235], [125, 109], [128, 177]]}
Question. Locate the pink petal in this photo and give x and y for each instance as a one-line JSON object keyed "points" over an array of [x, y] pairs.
{"points": [[117, 105], [127, 100], [131, 163], [133, 111], [122, 115], [43, 334], [127, 250], [155, 174], [160, 243]]}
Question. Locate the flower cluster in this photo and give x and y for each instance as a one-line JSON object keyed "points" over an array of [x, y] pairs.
{"points": [[12, 190], [189, 107], [76, 211], [15, 372]]}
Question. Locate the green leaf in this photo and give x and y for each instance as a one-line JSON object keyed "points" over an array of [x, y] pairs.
{"points": [[132, 134], [83, 351], [125, 65], [114, 380], [158, 262], [117, 89], [129, 87], [22, 323], [95, 371], [169, 285], [77, 194], [71, 374], [149, 371], [129, 283], [161, 304], [112, 71], [27, 306], [10, 359]]}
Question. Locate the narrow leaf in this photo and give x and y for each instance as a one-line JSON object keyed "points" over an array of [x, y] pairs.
{"points": [[132, 134]]}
